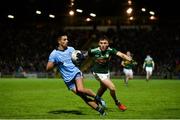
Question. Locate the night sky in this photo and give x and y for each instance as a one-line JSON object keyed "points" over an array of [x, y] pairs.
{"points": [[26, 8]]}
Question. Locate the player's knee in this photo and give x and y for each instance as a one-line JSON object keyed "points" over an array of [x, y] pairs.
{"points": [[105, 89], [112, 88], [84, 97], [80, 90]]}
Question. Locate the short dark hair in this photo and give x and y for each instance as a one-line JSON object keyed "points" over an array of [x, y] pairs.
{"points": [[59, 34], [104, 37]]}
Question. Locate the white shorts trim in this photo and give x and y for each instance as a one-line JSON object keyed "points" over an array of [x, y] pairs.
{"points": [[149, 69], [102, 76], [128, 72]]}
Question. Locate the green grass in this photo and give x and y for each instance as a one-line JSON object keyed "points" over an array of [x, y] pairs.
{"points": [[50, 99]]}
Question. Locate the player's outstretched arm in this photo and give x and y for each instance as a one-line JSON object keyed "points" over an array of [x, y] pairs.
{"points": [[85, 54], [82, 56], [49, 66], [124, 56], [134, 62], [122, 63], [144, 65], [153, 64]]}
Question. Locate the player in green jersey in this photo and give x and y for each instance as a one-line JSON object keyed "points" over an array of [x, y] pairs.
{"points": [[148, 66], [127, 68], [101, 57]]}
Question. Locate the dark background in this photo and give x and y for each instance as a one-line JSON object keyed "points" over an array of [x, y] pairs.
{"points": [[25, 9], [27, 40]]}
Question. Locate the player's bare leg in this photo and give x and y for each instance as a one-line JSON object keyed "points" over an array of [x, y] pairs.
{"points": [[109, 84], [90, 102], [80, 88], [126, 79], [101, 90], [148, 76]]}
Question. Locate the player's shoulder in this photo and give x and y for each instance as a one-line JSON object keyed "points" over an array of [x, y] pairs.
{"points": [[54, 51], [146, 59], [111, 48], [70, 48], [94, 49]]}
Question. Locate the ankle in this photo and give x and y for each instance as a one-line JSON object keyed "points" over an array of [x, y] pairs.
{"points": [[117, 102]]}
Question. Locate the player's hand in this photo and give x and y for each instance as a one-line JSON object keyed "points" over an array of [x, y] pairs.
{"points": [[130, 58], [134, 62], [80, 56]]}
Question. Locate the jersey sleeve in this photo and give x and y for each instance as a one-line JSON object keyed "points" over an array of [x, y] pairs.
{"points": [[71, 48], [90, 53], [52, 57], [113, 51]]}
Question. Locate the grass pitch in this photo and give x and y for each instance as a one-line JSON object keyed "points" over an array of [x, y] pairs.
{"points": [[50, 99]]}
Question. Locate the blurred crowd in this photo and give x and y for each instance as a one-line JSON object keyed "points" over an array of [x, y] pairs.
{"points": [[27, 48]]}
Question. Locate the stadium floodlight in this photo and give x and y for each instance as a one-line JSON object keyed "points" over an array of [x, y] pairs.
{"points": [[11, 16], [71, 13], [152, 17], [131, 18], [129, 11], [129, 2], [143, 9], [88, 19], [92, 15], [38, 12], [51, 16], [79, 10], [151, 12], [72, 4]]}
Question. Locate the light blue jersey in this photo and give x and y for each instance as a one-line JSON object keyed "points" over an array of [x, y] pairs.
{"points": [[62, 59]]}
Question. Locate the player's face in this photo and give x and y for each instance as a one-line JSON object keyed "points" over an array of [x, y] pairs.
{"points": [[128, 54], [103, 44], [63, 41]]}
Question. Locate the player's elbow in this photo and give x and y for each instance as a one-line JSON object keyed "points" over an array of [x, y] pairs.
{"points": [[120, 54], [49, 66]]}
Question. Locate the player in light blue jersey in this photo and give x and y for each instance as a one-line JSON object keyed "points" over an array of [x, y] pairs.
{"points": [[62, 58], [72, 76]]}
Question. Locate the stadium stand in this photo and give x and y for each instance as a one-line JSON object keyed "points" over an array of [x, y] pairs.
{"points": [[24, 50]]}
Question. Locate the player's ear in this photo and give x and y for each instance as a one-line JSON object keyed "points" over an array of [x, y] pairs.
{"points": [[58, 39]]}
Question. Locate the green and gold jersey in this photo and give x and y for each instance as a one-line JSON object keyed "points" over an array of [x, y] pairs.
{"points": [[101, 59], [128, 64], [148, 63]]}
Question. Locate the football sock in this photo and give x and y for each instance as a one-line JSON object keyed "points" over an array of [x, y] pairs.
{"points": [[100, 110], [100, 101], [97, 98], [117, 102]]}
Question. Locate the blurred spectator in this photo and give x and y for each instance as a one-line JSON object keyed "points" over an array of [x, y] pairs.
{"points": [[29, 46]]}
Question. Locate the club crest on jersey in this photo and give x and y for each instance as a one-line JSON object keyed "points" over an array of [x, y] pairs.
{"points": [[97, 55], [107, 55]]}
